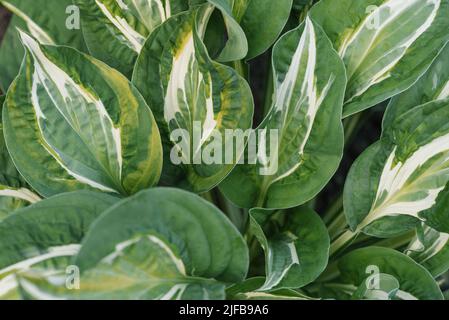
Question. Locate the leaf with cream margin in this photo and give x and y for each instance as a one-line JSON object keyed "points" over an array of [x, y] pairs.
{"points": [[115, 31], [144, 268], [377, 287], [396, 182], [430, 248], [296, 254], [300, 142], [432, 86], [71, 123], [46, 234], [43, 19], [195, 102], [262, 21], [386, 45], [248, 290], [415, 282], [14, 191], [195, 230]]}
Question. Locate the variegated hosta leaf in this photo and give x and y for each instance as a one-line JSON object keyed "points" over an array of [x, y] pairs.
{"points": [[14, 191], [144, 268], [431, 249], [386, 44], [195, 101], [371, 264], [48, 26], [377, 287], [45, 234], [434, 85], [248, 290], [295, 255], [115, 30], [262, 21], [73, 123], [400, 180], [301, 140], [207, 243]]}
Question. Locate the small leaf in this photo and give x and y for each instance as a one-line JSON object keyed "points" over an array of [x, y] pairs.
{"points": [[395, 183], [386, 44], [73, 123], [386, 288], [195, 101], [115, 31], [431, 250], [297, 254], [300, 142], [415, 282], [207, 243]]}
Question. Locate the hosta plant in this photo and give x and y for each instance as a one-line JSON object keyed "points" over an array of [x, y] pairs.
{"points": [[224, 149]]}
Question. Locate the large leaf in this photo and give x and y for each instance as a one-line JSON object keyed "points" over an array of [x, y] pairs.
{"points": [[48, 26], [115, 31], [295, 255], [144, 268], [431, 250], [195, 101], [262, 21], [301, 139], [48, 230], [386, 44], [72, 123], [434, 85], [14, 191], [415, 282], [196, 231], [395, 184]]}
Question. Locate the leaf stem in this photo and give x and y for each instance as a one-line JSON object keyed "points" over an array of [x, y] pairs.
{"points": [[342, 242]]}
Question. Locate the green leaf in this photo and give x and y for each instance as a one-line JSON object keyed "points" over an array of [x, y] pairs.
{"points": [[434, 85], [396, 182], [262, 21], [300, 142], [248, 290], [295, 255], [415, 282], [144, 268], [386, 44], [73, 123], [48, 230], [431, 250], [48, 26], [14, 191], [386, 288], [115, 31], [195, 102], [197, 232]]}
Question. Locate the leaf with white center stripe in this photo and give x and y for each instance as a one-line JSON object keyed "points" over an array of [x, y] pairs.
{"points": [[48, 26], [386, 44], [206, 242], [71, 122], [14, 191], [415, 282], [395, 184], [195, 102], [46, 234], [430, 248], [144, 268], [300, 142], [296, 254], [115, 30], [434, 85]]}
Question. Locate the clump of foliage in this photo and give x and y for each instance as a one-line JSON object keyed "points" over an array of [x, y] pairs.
{"points": [[92, 205]]}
